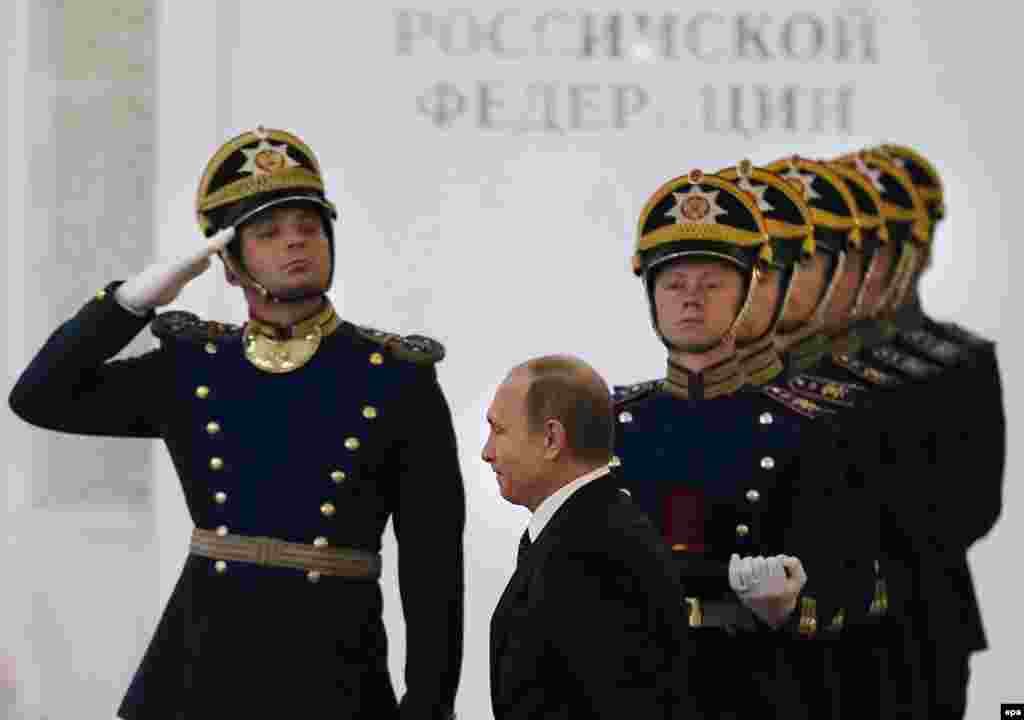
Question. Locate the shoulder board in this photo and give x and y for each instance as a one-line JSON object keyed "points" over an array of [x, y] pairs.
{"points": [[964, 336], [801, 405], [866, 372], [186, 326], [908, 364], [417, 349], [827, 391], [933, 347], [623, 394]]}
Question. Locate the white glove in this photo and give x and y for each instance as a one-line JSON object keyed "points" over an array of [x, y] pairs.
{"points": [[160, 283], [768, 586]]}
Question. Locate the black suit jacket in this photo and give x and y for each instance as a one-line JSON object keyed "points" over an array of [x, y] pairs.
{"points": [[591, 624]]}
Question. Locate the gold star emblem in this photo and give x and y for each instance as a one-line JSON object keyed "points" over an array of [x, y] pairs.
{"points": [[695, 206], [758, 192], [873, 174], [266, 158], [803, 182]]}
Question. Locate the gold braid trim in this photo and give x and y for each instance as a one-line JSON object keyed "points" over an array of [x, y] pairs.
{"points": [[294, 177], [697, 231]]}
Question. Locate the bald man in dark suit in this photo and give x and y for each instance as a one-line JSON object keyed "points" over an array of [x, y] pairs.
{"points": [[590, 625]]}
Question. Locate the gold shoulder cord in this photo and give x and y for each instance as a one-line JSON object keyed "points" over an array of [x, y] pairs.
{"points": [[808, 616]]}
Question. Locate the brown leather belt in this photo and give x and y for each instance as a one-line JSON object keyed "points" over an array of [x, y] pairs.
{"points": [[340, 561]]}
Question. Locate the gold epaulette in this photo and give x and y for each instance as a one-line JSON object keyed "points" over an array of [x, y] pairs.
{"points": [[910, 365], [937, 349], [964, 336], [181, 325], [417, 349], [827, 390], [801, 405], [864, 371], [623, 394]]}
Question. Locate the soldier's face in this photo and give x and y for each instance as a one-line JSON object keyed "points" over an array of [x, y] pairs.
{"points": [[806, 289], [514, 452], [286, 250], [767, 293], [696, 302], [879, 277], [837, 314]]}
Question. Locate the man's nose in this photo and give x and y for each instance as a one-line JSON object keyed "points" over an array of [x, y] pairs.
{"points": [[294, 238]]}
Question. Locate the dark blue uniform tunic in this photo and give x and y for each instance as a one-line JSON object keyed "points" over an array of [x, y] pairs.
{"points": [[328, 452]]}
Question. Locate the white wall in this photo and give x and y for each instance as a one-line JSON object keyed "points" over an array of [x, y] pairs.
{"points": [[506, 230]]}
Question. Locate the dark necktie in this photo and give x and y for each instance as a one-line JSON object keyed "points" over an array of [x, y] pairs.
{"points": [[524, 547]]}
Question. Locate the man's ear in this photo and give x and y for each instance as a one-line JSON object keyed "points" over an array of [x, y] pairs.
{"points": [[556, 440]]}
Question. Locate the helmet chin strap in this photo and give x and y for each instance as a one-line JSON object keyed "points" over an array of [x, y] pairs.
{"points": [[748, 302], [247, 280]]}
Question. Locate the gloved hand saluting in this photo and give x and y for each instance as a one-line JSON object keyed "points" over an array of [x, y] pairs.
{"points": [[161, 282], [768, 586]]}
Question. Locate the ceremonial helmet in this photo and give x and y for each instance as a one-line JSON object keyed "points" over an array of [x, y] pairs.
{"points": [[787, 220], [833, 211], [874, 233], [923, 175], [904, 212], [252, 172], [699, 215]]}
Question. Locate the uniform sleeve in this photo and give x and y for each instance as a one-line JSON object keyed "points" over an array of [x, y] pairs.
{"points": [[616, 621], [974, 443], [429, 520], [832, 524], [72, 386]]}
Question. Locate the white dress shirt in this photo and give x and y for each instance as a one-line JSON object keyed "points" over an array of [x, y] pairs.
{"points": [[549, 506]]}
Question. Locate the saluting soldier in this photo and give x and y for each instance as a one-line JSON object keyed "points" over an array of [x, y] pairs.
{"points": [[296, 437], [735, 477]]}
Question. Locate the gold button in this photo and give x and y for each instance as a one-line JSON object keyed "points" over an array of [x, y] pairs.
{"points": [[101, 294], [211, 348], [220, 566], [352, 443], [614, 462], [766, 418], [220, 497], [376, 359], [216, 463], [320, 542], [338, 477], [310, 338], [202, 392], [313, 576], [213, 428], [753, 496], [369, 412], [767, 463], [327, 509], [222, 531], [742, 530]]}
